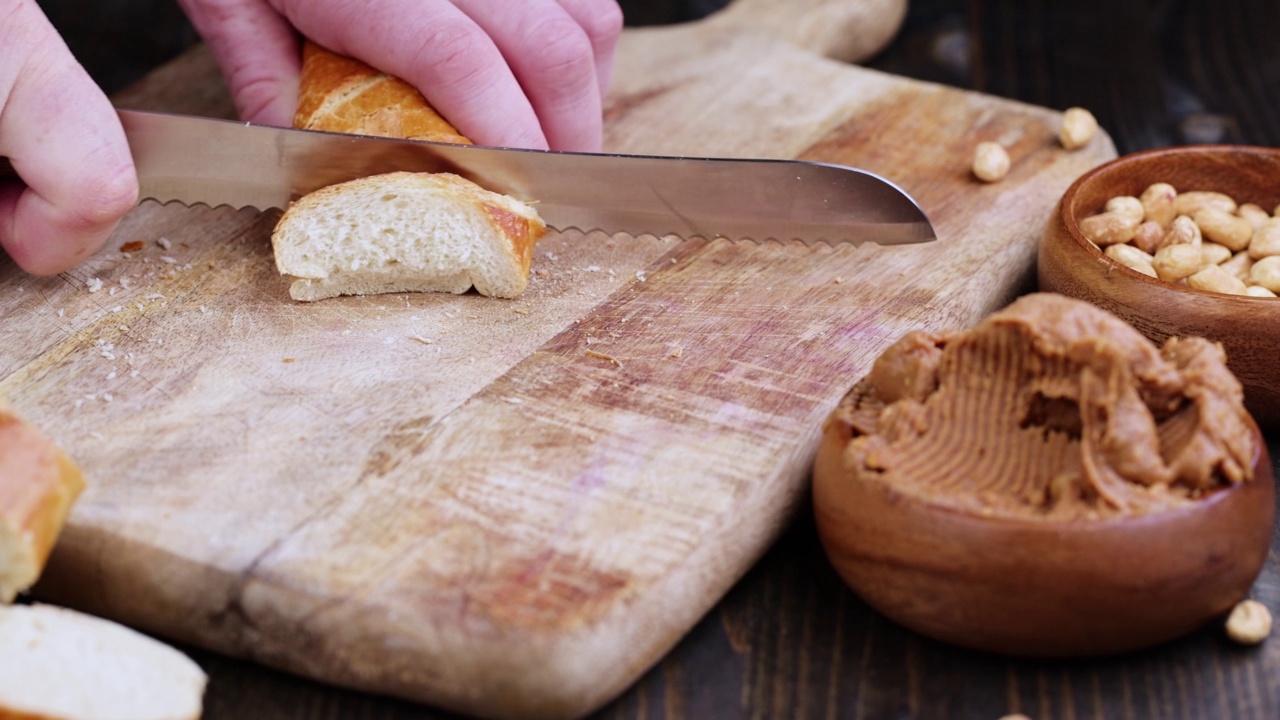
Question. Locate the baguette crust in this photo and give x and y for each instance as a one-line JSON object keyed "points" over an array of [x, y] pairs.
{"points": [[38, 484], [342, 94]]}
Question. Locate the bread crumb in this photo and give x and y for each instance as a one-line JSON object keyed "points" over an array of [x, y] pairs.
{"points": [[603, 356], [93, 284], [168, 260], [839, 281], [676, 352], [131, 247], [593, 268], [513, 400], [164, 243], [522, 311], [420, 339], [289, 360], [640, 275]]}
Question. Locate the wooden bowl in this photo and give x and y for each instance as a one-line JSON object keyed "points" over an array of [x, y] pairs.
{"points": [[1248, 328], [1036, 588]]}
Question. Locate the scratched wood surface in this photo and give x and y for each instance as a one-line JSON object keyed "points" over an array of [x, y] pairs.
{"points": [[503, 508]]}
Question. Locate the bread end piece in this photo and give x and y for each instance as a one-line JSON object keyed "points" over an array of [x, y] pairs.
{"points": [[406, 232], [38, 484], [67, 665], [341, 94]]}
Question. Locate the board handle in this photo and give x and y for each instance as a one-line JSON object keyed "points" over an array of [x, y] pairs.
{"points": [[847, 30]]}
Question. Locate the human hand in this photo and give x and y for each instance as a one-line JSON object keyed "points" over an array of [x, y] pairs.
{"points": [[530, 73], [64, 140]]}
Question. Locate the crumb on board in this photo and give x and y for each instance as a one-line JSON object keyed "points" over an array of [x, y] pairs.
{"points": [[676, 352], [603, 356], [419, 338], [164, 243], [93, 284], [132, 246], [289, 360]]}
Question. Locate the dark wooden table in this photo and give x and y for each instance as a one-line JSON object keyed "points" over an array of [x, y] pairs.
{"points": [[790, 641]]}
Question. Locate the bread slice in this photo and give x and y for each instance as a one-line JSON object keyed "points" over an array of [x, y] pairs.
{"points": [[341, 94], [406, 232], [58, 664], [38, 484]]}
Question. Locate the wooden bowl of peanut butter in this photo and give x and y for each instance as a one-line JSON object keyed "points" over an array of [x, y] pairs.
{"points": [[1130, 263], [1047, 483]]}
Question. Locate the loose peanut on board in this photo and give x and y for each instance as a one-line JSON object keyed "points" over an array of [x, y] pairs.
{"points": [[1078, 128], [990, 161], [1200, 238], [1249, 623]]}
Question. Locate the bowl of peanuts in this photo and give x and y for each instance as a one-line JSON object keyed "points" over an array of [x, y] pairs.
{"points": [[1181, 241]]}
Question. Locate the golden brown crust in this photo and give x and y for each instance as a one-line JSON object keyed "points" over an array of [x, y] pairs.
{"points": [[342, 94], [38, 484]]}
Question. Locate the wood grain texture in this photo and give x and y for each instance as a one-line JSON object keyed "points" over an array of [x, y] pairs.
{"points": [[499, 521]]}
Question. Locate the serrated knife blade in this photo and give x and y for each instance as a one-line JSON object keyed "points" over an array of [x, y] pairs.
{"points": [[196, 160]]}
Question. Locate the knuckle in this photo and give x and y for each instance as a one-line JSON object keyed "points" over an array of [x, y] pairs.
{"points": [[603, 22], [454, 52], [566, 55]]}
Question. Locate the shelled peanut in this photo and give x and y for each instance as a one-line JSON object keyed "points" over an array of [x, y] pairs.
{"points": [[1200, 239]]}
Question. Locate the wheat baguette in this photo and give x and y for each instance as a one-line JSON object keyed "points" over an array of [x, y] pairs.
{"points": [[38, 484], [58, 664], [398, 232], [341, 94]]}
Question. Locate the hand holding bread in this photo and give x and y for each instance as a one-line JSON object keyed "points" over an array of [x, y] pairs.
{"points": [[522, 74]]}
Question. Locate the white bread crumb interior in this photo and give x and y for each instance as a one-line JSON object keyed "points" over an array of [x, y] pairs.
{"points": [[406, 232], [63, 665]]}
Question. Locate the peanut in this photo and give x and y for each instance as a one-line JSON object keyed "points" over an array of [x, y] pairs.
{"points": [[1266, 272], [1252, 214], [1266, 240], [1214, 254], [1249, 623], [1258, 291], [1078, 128], [1175, 262], [1132, 258], [1215, 279], [1223, 227], [990, 161], [1157, 201], [1182, 231], [1148, 237], [1129, 207], [1189, 203], [1109, 228], [1239, 265]]}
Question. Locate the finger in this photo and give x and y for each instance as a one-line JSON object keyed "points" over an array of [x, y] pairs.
{"points": [[602, 21], [258, 52], [437, 48], [66, 143], [553, 58]]}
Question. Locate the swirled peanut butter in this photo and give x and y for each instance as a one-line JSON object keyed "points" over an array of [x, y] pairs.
{"points": [[1051, 408]]}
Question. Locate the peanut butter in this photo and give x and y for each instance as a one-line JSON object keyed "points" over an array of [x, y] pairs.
{"points": [[1051, 408]]}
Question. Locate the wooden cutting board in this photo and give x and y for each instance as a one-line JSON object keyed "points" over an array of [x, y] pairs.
{"points": [[508, 508]]}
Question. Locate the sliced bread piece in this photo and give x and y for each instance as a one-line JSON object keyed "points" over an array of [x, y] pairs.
{"points": [[58, 664], [38, 483], [406, 232]]}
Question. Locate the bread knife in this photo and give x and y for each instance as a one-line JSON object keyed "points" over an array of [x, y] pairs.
{"points": [[196, 160]]}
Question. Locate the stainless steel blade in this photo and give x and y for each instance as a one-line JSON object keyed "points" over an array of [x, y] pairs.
{"points": [[220, 162]]}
